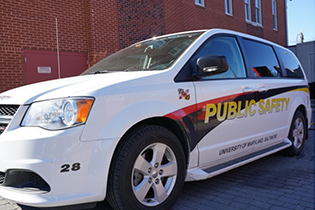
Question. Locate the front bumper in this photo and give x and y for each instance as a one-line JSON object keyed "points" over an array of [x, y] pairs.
{"points": [[45, 155]]}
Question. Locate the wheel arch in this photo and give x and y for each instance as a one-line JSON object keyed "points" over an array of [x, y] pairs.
{"points": [[302, 109], [167, 123]]}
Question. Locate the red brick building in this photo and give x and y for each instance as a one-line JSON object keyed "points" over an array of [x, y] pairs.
{"points": [[44, 39]]}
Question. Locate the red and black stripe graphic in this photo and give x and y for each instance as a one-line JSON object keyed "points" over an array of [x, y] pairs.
{"points": [[192, 117]]}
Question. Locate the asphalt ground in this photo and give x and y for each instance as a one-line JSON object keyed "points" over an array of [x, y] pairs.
{"points": [[276, 182]]}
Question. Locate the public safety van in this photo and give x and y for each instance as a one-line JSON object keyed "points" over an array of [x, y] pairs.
{"points": [[132, 128]]}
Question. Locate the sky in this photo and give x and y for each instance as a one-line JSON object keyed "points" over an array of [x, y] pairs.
{"points": [[301, 16]]}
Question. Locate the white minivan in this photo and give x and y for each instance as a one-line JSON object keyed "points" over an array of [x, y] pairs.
{"points": [[132, 128]]}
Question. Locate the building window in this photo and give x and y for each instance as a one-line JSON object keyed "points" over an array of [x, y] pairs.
{"points": [[258, 12], [228, 7], [247, 11], [200, 2], [274, 15]]}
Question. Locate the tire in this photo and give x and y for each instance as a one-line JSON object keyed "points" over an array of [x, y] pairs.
{"points": [[147, 171], [297, 134]]}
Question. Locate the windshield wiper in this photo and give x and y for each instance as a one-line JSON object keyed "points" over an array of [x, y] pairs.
{"points": [[100, 72]]}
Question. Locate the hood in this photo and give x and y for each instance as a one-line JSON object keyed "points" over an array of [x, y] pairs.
{"points": [[72, 86]]}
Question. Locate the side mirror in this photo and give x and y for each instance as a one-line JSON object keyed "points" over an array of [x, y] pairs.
{"points": [[211, 64]]}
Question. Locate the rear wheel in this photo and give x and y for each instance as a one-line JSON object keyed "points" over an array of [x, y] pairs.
{"points": [[297, 134], [148, 170]]}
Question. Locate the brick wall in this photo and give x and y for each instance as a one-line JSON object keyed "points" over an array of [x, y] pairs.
{"points": [[102, 24], [278, 36], [99, 28], [139, 20], [186, 15], [31, 24]]}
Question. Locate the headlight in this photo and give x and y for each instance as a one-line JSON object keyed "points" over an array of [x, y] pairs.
{"points": [[59, 113]]}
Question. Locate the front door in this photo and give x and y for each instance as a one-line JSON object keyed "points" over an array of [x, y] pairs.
{"points": [[225, 104]]}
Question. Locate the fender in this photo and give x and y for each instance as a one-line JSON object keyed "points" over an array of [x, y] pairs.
{"points": [[300, 100], [294, 104], [114, 125]]}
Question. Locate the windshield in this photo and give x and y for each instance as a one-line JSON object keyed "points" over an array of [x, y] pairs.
{"points": [[153, 54]]}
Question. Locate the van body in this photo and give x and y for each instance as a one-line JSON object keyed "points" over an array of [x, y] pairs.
{"points": [[135, 126]]}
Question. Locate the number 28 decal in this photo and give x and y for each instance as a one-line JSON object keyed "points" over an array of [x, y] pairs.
{"points": [[68, 167]]}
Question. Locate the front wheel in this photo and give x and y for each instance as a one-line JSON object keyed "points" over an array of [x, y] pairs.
{"points": [[148, 170], [297, 134]]}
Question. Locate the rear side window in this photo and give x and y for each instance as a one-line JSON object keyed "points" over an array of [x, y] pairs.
{"points": [[262, 58], [291, 64]]}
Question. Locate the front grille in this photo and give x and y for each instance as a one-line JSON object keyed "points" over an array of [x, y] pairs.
{"points": [[8, 110], [2, 176], [2, 128], [6, 114], [36, 180], [23, 179]]}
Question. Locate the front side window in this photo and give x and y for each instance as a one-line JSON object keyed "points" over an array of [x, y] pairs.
{"points": [[247, 11], [262, 58], [228, 7], [228, 47], [274, 15], [258, 12], [154, 54], [292, 66]]}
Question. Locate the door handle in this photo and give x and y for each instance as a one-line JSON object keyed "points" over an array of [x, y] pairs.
{"points": [[248, 90], [262, 89]]}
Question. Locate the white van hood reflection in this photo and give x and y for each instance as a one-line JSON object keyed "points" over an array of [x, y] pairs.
{"points": [[73, 86]]}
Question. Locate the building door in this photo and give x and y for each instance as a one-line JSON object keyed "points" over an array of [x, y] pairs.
{"points": [[40, 65]]}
